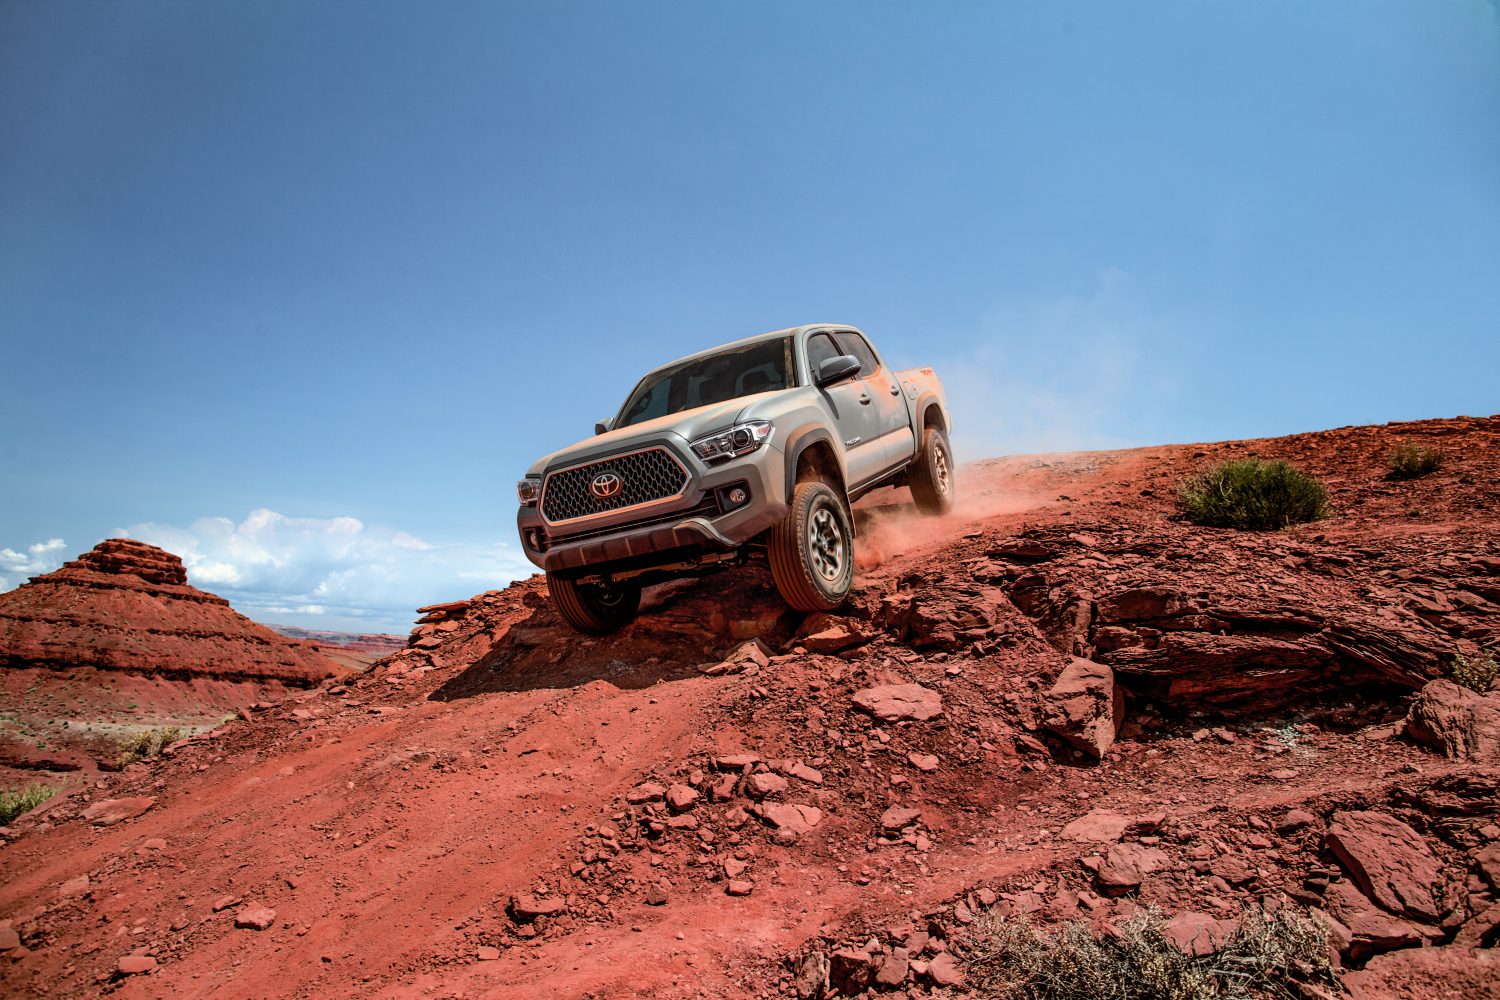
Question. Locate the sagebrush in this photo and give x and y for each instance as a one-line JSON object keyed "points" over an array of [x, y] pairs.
{"points": [[1477, 673], [1251, 494], [17, 801], [149, 743], [1413, 461], [1262, 959]]}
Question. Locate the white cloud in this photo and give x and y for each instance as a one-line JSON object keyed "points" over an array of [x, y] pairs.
{"points": [[336, 573], [1060, 374], [43, 557]]}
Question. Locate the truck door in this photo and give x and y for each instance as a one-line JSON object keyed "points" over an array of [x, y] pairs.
{"points": [[854, 414], [892, 418]]}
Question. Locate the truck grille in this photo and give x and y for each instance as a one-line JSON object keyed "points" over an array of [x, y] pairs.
{"points": [[645, 477]]}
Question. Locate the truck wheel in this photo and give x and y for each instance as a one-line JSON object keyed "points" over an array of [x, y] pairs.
{"points": [[932, 474], [812, 549], [591, 607]]}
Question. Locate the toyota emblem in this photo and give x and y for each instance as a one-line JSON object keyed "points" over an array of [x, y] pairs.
{"points": [[606, 485]]}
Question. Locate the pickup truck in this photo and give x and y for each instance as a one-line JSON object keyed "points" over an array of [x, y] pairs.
{"points": [[752, 450]]}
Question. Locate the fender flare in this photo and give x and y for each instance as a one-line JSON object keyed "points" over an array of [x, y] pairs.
{"points": [[919, 411], [797, 442]]}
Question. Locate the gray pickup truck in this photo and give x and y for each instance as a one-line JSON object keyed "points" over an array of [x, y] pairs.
{"points": [[752, 450]]}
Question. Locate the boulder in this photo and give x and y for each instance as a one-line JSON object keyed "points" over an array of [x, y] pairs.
{"points": [[1198, 934], [111, 811], [1126, 866], [826, 634], [898, 702], [1389, 861], [1085, 707], [1458, 723], [1371, 929]]}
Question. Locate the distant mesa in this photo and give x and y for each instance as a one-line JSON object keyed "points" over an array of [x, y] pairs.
{"points": [[127, 606]]}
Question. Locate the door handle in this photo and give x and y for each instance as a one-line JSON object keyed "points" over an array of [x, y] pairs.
{"points": [[864, 399], [895, 390]]}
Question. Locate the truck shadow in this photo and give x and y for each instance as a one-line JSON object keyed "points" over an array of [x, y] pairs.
{"points": [[683, 625]]}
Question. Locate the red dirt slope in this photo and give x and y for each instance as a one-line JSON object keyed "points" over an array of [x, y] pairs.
{"points": [[1058, 702]]}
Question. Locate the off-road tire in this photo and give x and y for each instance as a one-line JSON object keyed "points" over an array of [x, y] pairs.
{"points": [[592, 608], [932, 474], [812, 549]]}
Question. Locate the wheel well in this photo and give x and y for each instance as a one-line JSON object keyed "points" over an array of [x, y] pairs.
{"points": [[818, 461], [933, 417]]}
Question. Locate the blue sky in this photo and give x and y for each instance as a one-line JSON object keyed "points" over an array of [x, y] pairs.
{"points": [[298, 290]]}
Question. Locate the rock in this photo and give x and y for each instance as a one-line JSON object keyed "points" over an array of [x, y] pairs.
{"points": [[736, 761], [255, 917], [650, 791], [763, 783], [655, 896], [734, 868], [850, 971], [1427, 974], [1085, 707], [127, 606], [895, 702], [1294, 820], [797, 819], [739, 887], [924, 761], [1126, 866], [1389, 861], [1458, 723], [154, 844], [747, 654], [828, 635], [225, 902], [802, 772], [811, 979], [898, 818], [526, 907], [135, 965], [894, 969], [76, 886], [1482, 930], [1098, 826], [681, 797], [9, 938], [1487, 861], [1371, 930], [1142, 604], [943, 970], [487, 953], [112, 811], [1198, 934]]}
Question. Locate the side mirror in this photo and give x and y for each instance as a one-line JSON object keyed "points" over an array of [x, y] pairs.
{"points": [[600, 426], [836, 369]]}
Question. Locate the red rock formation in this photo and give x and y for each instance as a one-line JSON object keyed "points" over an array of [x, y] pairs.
{"points": [[127, 606]]}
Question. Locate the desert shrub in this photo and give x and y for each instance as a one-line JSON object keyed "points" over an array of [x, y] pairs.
{"points": [[17, 801], [1252, 494], [1477, 673], [148, 743], [1413, 461], [1013, 960]]}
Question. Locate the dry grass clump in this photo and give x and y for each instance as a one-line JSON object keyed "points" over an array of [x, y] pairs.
{"points": [[18, 801], [1413, 461], [1251, 494], [1477, 673], [1269, 952], [149, 743]]}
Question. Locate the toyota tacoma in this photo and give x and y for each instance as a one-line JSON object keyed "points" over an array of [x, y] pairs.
{"points": [[750, 451]]}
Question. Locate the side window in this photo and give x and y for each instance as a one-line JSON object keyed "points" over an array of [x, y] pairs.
{"points": [[853, 343], [820, 348]]}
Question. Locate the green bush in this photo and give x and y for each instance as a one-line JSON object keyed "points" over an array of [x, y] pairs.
{"points": [[1477, 673], [1013, 960], [1413, 461], [1252, 494], [147, 744], [22, 800]]}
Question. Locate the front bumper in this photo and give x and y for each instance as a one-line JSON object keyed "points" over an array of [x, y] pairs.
{"points": [[672, 531]]}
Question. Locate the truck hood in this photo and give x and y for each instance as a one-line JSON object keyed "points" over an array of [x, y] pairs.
{"points": [[687, 425]]}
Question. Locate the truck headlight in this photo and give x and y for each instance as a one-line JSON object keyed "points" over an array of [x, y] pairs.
{"points": [[741, 439], [528, 490]]}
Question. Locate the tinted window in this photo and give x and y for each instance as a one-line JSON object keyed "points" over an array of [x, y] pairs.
{"points": [[820, 348], [853, 343], [758, 367]]}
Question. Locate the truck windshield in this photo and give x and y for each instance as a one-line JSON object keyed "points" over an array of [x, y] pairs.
{"points": [[717, 378]]}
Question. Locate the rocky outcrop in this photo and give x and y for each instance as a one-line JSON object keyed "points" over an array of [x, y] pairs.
{"points": [[127, 606], [1456, 722]]}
